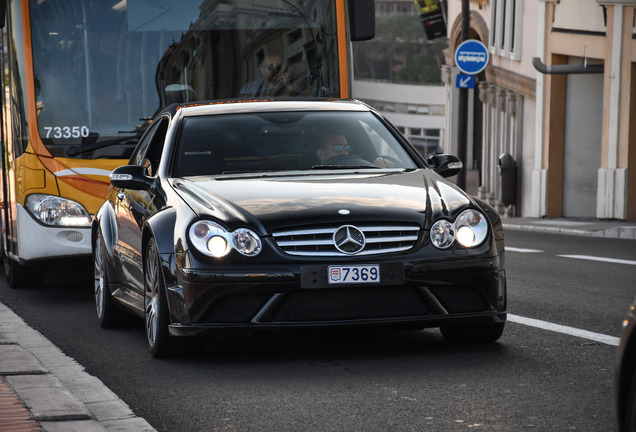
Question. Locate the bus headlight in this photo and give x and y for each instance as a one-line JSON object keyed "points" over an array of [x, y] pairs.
{"points": [[57, 211], [214, 240]]}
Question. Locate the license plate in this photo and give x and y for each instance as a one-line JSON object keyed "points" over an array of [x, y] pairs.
{"points": [[352, 274]]}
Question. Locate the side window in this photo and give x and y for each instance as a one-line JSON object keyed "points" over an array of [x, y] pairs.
{"points": [[155, 148], [389, 152], [379, 144], [17, 83], [149, 150]]}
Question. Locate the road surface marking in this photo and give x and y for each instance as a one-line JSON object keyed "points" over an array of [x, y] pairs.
{"points": [[522, 250], [593, 258], [597, 337]]}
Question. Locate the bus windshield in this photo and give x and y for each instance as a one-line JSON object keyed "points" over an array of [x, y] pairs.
{"points": [[103, 68]]}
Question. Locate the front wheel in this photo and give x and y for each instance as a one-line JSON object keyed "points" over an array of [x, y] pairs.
{"points": [[108, 315], [19, 276], [156, 313], [480, 333]]}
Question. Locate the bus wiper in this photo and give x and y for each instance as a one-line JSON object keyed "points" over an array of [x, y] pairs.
{"points": [[85, 147]]}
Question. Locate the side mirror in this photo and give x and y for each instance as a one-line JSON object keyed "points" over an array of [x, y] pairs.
{"points": [[446, 165], [362, 19], [131, 177]]}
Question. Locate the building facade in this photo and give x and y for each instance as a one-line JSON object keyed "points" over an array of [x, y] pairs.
{"points": [[557, 97], [394, 7], [417, 111]]}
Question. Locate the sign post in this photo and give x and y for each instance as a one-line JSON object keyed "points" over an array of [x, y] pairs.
{"points": [[462, 109], [465, 81], [471, 58]]}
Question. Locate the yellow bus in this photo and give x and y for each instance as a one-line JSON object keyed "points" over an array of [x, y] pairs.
{"points": [[83, 79]]}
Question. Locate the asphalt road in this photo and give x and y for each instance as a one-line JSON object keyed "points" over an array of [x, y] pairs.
{"points": [[542, 378]]}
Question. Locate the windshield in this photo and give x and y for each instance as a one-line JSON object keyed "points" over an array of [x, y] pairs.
{"points": [[103, 68], [286, 141]]}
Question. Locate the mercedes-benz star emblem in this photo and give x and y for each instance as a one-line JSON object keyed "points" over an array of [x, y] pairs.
{"points": [[349, 239]]}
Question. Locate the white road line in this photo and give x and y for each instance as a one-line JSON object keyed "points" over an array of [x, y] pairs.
{"points": [[597, 337], [514, 249], [593, 258]]}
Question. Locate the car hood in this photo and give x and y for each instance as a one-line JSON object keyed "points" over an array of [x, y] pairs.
{"points": [[269, 202]]}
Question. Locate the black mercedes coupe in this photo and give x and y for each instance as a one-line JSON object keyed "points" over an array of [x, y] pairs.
{"points": [[238, 216]]}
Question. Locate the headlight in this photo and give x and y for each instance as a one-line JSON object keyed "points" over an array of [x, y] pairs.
{"points": [[57, 211], [472, 228], [246, 242], [442, 234], [212, 239], [469, 229]]}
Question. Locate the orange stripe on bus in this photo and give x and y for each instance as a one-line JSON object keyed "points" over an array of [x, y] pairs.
{"points": [[34, 134], [342, 49]]}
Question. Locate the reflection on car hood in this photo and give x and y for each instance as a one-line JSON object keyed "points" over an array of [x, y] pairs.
{"points": [[268, 203]]}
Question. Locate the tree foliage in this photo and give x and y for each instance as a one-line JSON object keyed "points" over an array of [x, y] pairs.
{"points": [[400, 52]]}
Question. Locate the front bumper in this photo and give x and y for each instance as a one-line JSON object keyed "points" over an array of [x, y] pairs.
{"points": [[36, 241], [431, 295]]}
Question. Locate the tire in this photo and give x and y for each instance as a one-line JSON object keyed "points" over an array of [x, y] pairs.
{"points": [[19, 276], [108, 314], [481, 333], [157, 316], [628, 422]]}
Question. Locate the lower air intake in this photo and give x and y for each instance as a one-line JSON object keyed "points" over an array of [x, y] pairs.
{"points": [[351, 304]]}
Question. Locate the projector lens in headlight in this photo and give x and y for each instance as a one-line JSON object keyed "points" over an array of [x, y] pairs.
{"points": [[442, 234], [472, 228], [246, 242], [218, 246]]}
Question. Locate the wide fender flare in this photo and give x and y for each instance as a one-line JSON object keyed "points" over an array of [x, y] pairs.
{"points": [[497, 226], [105, 222], [161, 226]]}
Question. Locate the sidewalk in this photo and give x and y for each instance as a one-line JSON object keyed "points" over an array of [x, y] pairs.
{"points": [[580, 227], [42, 389]]}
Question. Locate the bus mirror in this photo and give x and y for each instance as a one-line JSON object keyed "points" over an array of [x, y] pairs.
{"points": [[362, 19], [3, 12], [130, 177]]}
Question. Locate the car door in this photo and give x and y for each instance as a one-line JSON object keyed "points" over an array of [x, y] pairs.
{"points": [[132, 207]]}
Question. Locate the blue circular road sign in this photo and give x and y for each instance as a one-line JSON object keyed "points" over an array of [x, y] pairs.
{"points": [[471, 57]]}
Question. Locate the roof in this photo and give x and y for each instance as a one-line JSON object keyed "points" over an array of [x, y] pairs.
{"points": [[251, 105]]}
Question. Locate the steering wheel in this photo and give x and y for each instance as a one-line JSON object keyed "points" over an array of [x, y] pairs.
{"points": [[348, 160], [384, 161]]}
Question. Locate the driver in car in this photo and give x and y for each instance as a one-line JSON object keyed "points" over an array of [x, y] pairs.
{"points": [[334, 145]]}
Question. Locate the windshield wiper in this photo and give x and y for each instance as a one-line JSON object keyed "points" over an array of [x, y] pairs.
{"points": [[339, 167], [94, 145]]}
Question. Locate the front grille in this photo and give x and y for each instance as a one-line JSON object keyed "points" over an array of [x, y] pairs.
{"points": [[461, 299], [351, 303], [318, 241]]}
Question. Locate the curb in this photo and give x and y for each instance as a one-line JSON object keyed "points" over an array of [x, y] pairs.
{"points": [[600, 229], [59, 394]]}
